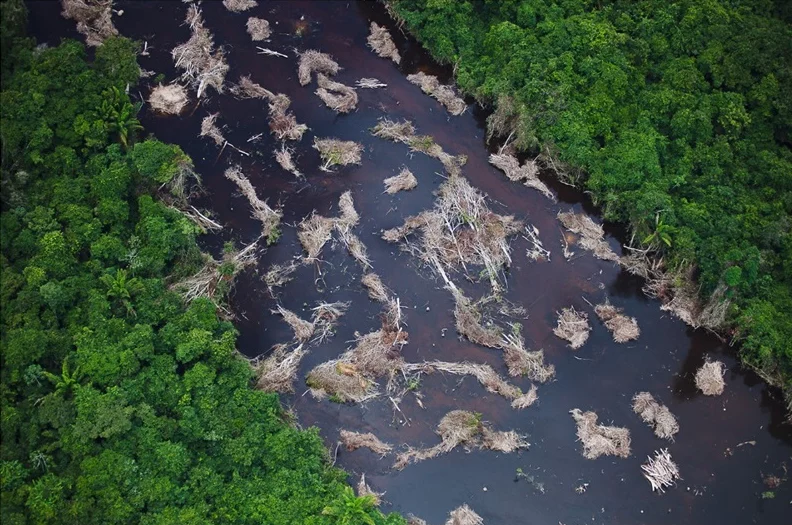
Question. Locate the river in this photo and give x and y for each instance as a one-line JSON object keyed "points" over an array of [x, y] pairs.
{"points": [[726, 443]]}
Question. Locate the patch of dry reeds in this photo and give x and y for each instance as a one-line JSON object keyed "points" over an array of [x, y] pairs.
{"points": [[269, 218], [258, 29], [279, 274], [94, 19], [404, 181], [325, 318], [337, 96], [303, 330], [312, 61], [622, 327], [381, 42], [210, 130], [237, 6], [484, 374], [314, 232], [528, 173], [709, 378], [283, 157], [355, 440], [464, 515], [283, 124], [468, 323], [202, 65], [521, 362], [376, 289], [599, 440], [661, 471], [573, 326], [592, 236], [336, 152], [656, 415], [170, 99], [349, 216], [246, 88], [277, 372], [440, 92], [404, 132]]}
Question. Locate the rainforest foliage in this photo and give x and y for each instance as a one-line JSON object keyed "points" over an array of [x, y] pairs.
{"points": [[120, 404], [679, 115]]}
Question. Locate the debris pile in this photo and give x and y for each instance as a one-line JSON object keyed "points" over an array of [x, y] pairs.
{"points": [[364, 491], [404, 181], [573, 326], [313, 61], [303, 330], [381, 42], [355, 440], [622, 327], [170, 99], [528, 173], [279, 275], [658, 416], [336, 152], [404, 132], [592, 236], [442, 93], [313, 234], [283, 157], [269, 218], [370, 83], [661, 471], [94, 19], [237, 6], [336, 96], [202, 65], [709, 378], [258, 29], [283, 123], [464, 515], [246, 88], [521, 362], [276, 373], [599, 440]]}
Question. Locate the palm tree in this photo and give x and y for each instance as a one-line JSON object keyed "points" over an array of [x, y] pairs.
{"points": [[64, 382], [120, 115], [349, 509], [662, 232]]}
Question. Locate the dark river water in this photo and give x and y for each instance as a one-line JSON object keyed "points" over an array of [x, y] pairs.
{"points": [[722, 479]]}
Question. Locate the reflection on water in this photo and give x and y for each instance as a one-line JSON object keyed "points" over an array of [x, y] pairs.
{"points": [[721, 480]]}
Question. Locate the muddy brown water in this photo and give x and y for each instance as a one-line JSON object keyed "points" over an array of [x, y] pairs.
{"points": [[726, 443]]}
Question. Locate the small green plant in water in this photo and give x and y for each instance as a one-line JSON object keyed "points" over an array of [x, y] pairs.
{"points": [[274, 236], [768, 494], [413, 383], [335, 398]]}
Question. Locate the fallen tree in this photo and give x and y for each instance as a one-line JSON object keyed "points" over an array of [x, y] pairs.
{"points": [[661, 471], [464, 515], [404, 132], [592, 236], [202, 65], [528, 173], [258, 29], [277, 372], [283, 157], [355, 440], [237, 6], [404, 181], [337, 96], [269, 218], [336, 152], [312, 61]]}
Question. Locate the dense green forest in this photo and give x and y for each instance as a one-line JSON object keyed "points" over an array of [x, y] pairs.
{"points": [[119, 403], [677, 116]]}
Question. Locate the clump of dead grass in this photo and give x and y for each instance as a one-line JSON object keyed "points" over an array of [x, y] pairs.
{"points": [[442, 93], [622, 327], [279, 275], [276, 373], [468, 323], [661, 471], [464, 515], [314, 232], [337, 96], [283, 124], [656, 415], [170, 99], [592, 236], [258, 29], [312, 61], [599, 440], [528, 173], [370, 83], [237, 6], [404, 181], [246, 88], [269, 218], [376, 289], [381, 42], [404, 132], [210, 130], [325, 318], [355, 440], [94, 19], [283, 157], [573, 326], [202, 65], [709, 378], [336, 152], [521, 362], [303, 330]]}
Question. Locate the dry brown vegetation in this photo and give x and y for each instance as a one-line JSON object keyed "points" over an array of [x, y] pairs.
{"points": [[210, 130], [528, 173], [314, 232], [313, 61], [599, 440], [376, 289], [709, 378], [94, 19], [573, 326], [258, 29], [381, 42], [460, 427], [464, 515], [283, 157], [442, 93], [336, 152], [325, 318], [592, 236], [370, 83], [404, 132], [170, 99], [364, 490], [355, 440], [303, 330], [656, 415], [337, 96], [661, 471], [269, 218], [404, 181], [283, 123], [202, 65], [237, 6], [276, 373], [521, 362], [246, 88], [279, 274], [622, 327]]}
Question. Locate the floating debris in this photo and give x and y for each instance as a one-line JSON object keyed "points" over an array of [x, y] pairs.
{"points": [[314, 232], [464, 515], [283, 123], [283, 157], [404, 181], [202, 65], [528, 173], [312, 61], [355, 440], [337, 96], [277, 372], [536, 251], [404, 132], [94, 19], [370, 83], [269, 218], [521, 362], [622, 327], [325, 318], [442, 93], [279, 274], [573, 326], [237, 6], [658, 416], [709, 378], [376, 289], [170, 99], [303, 330], [336, 152], [258, 29], [592, 236], [599, 440], [381, 42], [365, 491], [661, 471], [246, 88]]}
